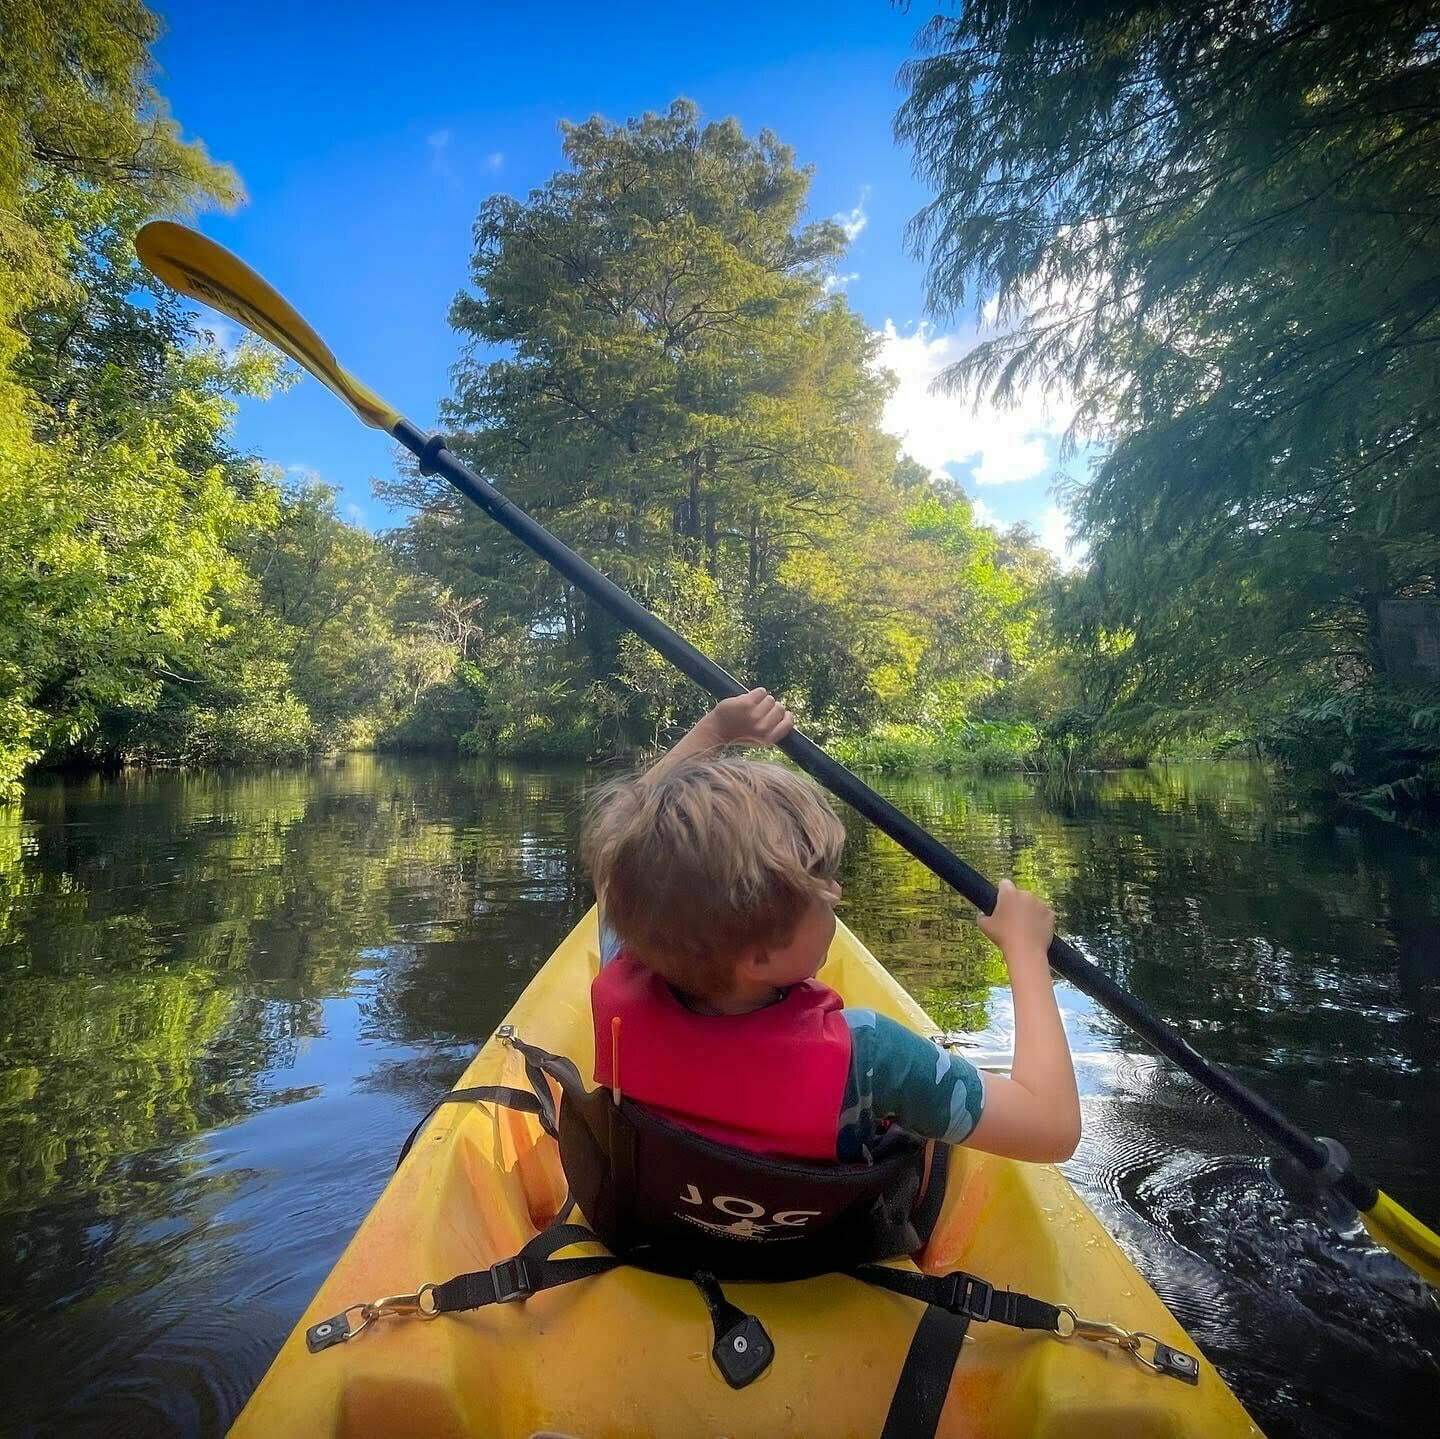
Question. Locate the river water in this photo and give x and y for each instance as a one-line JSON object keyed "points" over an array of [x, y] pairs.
{"points": [[225, 998]]}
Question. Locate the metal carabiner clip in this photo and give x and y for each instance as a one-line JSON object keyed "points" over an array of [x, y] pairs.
{"points": [[421, 1302], [1162, 1359], [1094, 1330], [340, 1330]]}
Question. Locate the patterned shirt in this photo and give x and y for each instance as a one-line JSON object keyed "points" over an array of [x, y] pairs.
{"points": [[898, 1076]]}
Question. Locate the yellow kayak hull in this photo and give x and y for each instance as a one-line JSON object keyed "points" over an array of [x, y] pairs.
{"points": [[628, 1353]]}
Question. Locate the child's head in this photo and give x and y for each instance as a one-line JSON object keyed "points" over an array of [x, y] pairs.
{"points": [[715, 867]]}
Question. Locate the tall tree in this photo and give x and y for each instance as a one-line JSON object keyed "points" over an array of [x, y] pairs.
{"points": [[680, 399], [87, 151], [1217, 225], [118, 493]]}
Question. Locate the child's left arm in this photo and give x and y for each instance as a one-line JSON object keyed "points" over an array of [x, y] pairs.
{"points": [[757, 718]]}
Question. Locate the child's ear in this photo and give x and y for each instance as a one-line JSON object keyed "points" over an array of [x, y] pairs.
{"points": [[754, 963]]}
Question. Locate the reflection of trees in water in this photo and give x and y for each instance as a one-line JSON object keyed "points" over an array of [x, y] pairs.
{"points": [[1228, 915], [1279, 944], [1282, 945], [168, 939]]}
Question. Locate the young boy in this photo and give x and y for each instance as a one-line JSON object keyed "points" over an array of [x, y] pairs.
{"points": [[716, 879]]}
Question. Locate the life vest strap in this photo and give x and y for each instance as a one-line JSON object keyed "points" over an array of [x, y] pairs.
{"points": [[537, 1101]]}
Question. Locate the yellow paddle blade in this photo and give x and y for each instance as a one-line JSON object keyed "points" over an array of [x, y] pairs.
{"points": [[1404, 1236], [208, 272]]}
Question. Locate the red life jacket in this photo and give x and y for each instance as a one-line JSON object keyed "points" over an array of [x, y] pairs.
{"points": [[771, 1081]]}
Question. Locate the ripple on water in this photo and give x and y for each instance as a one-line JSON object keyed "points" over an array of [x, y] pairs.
{"points": [[1316, 1328]]}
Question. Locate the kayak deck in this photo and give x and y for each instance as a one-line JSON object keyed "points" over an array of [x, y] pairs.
{"points": [[627, 1353]]}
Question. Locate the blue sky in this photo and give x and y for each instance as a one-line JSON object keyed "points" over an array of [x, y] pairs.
{"points": [[367, 135]]}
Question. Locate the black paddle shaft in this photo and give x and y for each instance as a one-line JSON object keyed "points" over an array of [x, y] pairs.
{"points": [[1064, 958]]}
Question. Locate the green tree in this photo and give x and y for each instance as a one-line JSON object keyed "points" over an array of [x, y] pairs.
{"points": [[86, 146], [322, 642], [118, 493], [337, 594], [1216, 226], [679, 398]]}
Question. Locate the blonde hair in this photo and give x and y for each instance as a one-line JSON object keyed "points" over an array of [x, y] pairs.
{"points": [[707, 860]]}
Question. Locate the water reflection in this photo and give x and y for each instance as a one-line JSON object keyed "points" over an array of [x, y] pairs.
{"points": [[226, 997]]}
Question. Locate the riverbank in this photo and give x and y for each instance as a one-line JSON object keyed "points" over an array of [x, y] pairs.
{"points": [[977, 747], [999, 747]]}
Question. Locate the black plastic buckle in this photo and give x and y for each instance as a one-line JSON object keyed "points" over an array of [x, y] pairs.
{"points": [[511, 1278], [966, 1294]]}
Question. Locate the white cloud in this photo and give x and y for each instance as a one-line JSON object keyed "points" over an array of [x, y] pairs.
{"points": [[1004, 445], [213, 333], [1051, 527], [853, 221], [831, 283], [438, 145], [984, 515], [495, 160], [1053, 531]]}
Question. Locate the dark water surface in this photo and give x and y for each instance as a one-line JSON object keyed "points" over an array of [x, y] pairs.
{"points": [[225, 998]]}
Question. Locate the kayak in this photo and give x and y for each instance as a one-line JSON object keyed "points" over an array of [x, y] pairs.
{"points": [[627, 1352]]}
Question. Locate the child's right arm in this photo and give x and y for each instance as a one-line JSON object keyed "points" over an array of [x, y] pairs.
{"points": [[1035, 1113], [898, 1075]]}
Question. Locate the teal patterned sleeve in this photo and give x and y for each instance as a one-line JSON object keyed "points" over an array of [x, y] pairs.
{"points": [[896, 1076], [610, 944]]}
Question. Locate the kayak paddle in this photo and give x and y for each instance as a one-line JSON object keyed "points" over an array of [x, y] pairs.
{"points": [[205, 271]]}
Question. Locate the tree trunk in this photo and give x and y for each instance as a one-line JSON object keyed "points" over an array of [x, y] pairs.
{"points": [[712, 563], [692, 513]]}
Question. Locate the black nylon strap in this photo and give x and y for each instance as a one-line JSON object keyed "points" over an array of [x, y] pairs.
{"points": [[549, 1120], [540, 1102], [529, 1272], [505, 1094], [924, 1382], [723, 1314], [966, 1294], [540, 1061], [516, 1278], [558, 1236]]}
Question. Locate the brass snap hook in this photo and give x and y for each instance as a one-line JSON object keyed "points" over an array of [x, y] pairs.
{"points": [[1071, 1326], [422, 1302]]}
